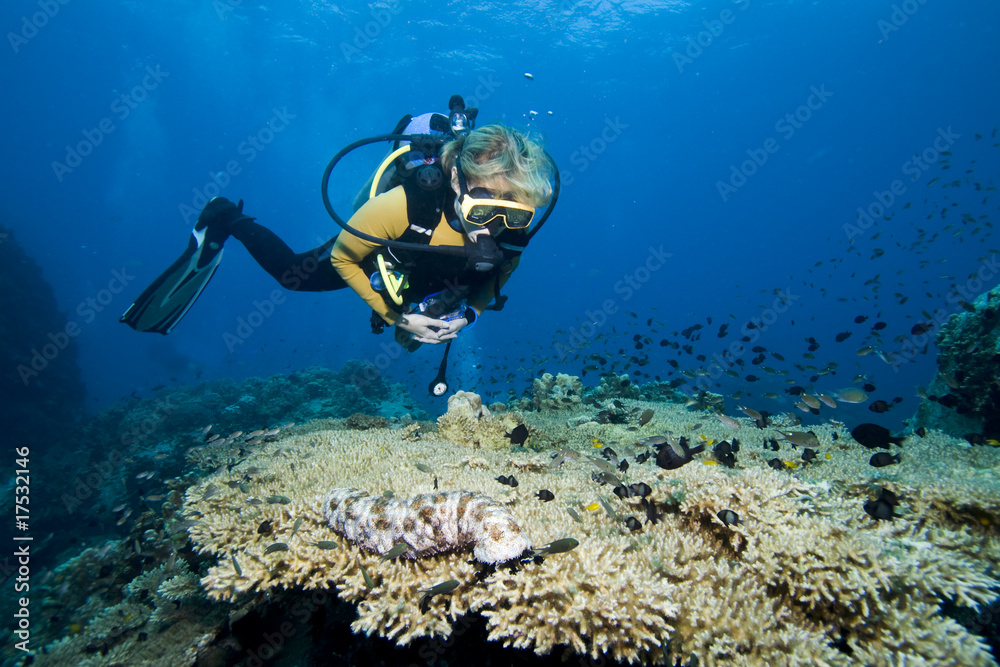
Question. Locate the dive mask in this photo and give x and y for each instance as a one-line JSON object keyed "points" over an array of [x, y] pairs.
{"points": [[480, 207]]}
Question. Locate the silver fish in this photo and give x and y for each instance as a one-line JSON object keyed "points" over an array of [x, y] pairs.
{"points": [[395, 552], [277, 546], [727, 420], [559, 546], [325, 544], [443, 587]]}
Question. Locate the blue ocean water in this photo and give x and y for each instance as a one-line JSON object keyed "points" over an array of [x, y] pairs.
{"points": [[714, 157]]}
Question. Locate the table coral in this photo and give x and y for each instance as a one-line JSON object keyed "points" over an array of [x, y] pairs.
{"points": [[805, 577]]}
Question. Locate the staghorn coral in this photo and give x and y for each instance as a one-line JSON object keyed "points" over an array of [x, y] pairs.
{"points": [[803, 578], [469, 422]]}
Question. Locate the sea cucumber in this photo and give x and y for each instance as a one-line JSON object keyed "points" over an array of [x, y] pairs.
{"points": [[428, 523]]}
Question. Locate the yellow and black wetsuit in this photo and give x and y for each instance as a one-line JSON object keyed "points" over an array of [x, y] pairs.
{"points": [[386, 217], [348, 261]]}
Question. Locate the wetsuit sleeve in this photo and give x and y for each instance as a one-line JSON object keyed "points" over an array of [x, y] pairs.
{"points": [[384, 217], [484, 295]]}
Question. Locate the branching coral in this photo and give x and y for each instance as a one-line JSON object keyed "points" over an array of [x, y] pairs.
{"points": [[804, 577]]}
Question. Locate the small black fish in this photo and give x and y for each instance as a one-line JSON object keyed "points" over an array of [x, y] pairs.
{"points": [[878, 326], [642, 458], [622, 491], [776, 463], [882, 507], [808, 454], [883, 459], [264, 528], [640, 489], [518, 436], [623, 466], [545, 495], [633, 524], [670, 458], [507, 480], [653, 515], [879, 407], [609, 454], [874, 436], [860, 318], [921, 431], [723, 453], [728, 517], [888, 496], [772, 445], [842, 336]]}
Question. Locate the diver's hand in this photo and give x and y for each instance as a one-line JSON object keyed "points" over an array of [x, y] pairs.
{"points": [[427, 329]]}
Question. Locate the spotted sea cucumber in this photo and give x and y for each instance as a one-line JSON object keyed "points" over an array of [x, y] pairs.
{"points": [[428, 523]]}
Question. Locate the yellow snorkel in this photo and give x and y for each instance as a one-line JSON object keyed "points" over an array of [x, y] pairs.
{"points": [[394, 283]]}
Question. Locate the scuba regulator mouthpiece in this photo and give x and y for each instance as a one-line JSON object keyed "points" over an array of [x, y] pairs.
{"points": [[462, 120], [484, 254]]}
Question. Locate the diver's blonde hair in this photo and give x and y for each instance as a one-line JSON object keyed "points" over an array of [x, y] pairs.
{"points": [[497, 151]]}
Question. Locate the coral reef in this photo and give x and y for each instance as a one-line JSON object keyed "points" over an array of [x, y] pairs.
{"points": [[126, 603], [804, 577], [614, 387], [964, 397], [562, 392], [471, 423]]}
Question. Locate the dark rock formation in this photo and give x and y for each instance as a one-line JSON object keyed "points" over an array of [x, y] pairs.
{"points": [[964, 398], [41, 390]]}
